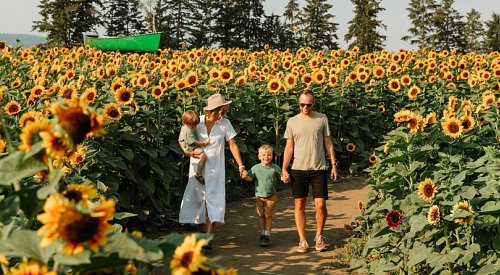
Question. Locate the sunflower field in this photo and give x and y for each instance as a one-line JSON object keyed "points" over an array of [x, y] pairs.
{"points": [[88, 144]]}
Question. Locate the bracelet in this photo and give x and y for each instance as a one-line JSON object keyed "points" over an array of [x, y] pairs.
{"points": [[241, 167]]}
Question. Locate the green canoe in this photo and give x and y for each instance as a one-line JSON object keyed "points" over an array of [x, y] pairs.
{"points": [[140, 43]]}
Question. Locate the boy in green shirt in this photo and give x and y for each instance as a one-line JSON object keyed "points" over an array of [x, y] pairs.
{"points": [[266, 175]]}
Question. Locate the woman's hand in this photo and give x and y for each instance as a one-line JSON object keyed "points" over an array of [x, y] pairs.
{"points": [[285, 177]]}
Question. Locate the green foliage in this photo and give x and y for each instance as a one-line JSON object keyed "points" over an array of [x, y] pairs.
{"points": [[364, 27]]}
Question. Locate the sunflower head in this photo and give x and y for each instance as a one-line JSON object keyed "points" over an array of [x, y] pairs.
{"points": [[12, 108], [75, 120], [29, 268], [452, 127], [464, 205], [427, 190], [394, 219], [372, 158], [81, 194], [350, 147], [187, 257], [433, 216]]}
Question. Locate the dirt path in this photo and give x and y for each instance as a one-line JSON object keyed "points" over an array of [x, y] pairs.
{"points": [[236, 243]]}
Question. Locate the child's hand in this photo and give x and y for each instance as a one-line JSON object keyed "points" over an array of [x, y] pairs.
{"points": [[244, 174], [206, 142]]}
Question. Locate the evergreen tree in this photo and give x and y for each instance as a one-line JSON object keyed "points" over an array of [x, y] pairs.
{"points": [[420, 14], [274, 32], [363, 27], [123, 17], [292, 21], [318, 29], [225, 24], [202, 23], [176, 16], [86, 18], [447, 27], [57, 19], [165, 25], [473, 31], [492, 36]]}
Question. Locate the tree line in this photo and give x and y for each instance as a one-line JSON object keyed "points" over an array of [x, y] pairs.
{"points": [[244, 24]]}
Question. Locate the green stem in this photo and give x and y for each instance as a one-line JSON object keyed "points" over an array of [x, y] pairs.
{"points": [[6, 134], [448, 247]]}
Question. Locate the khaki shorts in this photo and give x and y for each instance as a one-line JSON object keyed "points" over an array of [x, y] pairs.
{"points": [[266, 206]]}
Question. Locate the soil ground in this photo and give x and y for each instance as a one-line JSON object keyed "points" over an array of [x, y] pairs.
{"points": [[236, 243]]}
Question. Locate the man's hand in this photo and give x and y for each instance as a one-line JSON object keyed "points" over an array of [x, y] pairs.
{"points": [[285, 177], [333, 173]]}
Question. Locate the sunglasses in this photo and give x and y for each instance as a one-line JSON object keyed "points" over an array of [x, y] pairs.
{"points": [[302, 105]]}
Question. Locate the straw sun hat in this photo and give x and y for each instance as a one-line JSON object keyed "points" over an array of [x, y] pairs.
{"points": [[216, 101]]}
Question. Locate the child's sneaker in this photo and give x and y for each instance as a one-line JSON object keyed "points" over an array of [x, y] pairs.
{"points": [[265, 240], [320, 243], [303, 246]]}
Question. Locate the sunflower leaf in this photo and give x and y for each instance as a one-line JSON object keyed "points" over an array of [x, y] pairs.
{"points": [[14, 168], [418, 255], [26, 243]]}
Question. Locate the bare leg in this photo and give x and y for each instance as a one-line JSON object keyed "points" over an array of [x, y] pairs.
{"points": [[300, 217], [262, 223], [321, 214], [201, 164], [269, 223], [211, 228]]}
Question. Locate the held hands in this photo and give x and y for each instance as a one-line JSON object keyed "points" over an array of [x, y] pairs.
{"points": [[285, 177], [206, 142], [243, 174]]}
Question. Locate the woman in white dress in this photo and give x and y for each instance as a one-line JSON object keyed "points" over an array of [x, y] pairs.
{"points": [[206, 204]]}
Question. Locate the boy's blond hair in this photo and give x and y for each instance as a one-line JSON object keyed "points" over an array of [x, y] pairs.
{"points": [[190, 118], [265, 148]]}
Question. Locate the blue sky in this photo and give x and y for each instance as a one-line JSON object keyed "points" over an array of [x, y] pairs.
{"points": [[17, 16]]}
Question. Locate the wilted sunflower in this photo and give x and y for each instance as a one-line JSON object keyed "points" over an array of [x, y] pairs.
{"points": [[112, 111], [372, 158], [187, 257], [394, 219], [75, 226], [466, 207], [433, 216], [81, 194], [452, 127], [30, 268], [29, 117], [78, 121], [350, 147], [427, 190], [12, 108]]}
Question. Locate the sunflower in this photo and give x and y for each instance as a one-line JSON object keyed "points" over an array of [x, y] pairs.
{"points": [[372, 158], [75, 226], [467, 123], [452, 103], [433, 216], [414, 123], [290, 80], [394, 219], [30, 133], [452, 127], [188, 257], [318, 76], [378, 71], [241, 80], [180, 84], [226, 75], [191, 79], [3, 145], [274, 85], [381, 109], [77, 121], [332, 80], [157, 92], [394, 85], [350, 147], [413, 92], [15, 84], [30, 268], [112, 111], [214, 74], [427, 190], [466, 207], [89, 95], [430, 118], [306, 78], [124, 96], [489, 99], [403, 116], [77, 156], [12, 108], [37, 91], [116, 85], [405, 80], [81, 194], [55, 144]]}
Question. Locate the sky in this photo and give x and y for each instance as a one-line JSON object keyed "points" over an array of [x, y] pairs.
{"points": [[17, 16]]}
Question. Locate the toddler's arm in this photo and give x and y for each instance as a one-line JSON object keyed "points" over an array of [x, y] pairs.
{"points": [[246, 177], [201, 143]]}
